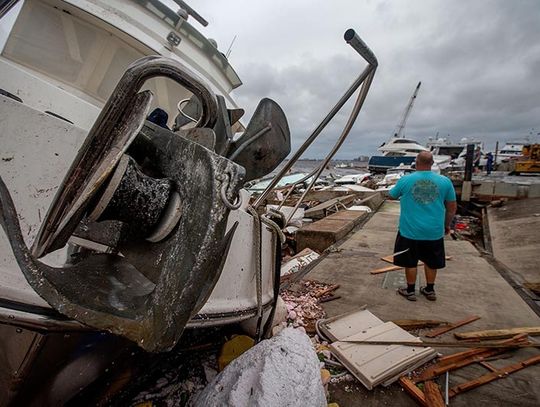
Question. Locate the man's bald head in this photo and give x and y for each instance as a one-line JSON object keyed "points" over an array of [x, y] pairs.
{"points": [[424, 161]]}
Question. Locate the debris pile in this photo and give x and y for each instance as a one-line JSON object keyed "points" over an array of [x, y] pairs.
{"points": [[303, 303], [467, 227]]}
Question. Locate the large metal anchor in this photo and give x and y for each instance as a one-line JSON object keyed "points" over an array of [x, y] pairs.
{"points": [[166, 200]]}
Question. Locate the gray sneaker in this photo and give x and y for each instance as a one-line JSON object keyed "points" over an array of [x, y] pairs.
{"points": [[430, 295], [403, 291]]}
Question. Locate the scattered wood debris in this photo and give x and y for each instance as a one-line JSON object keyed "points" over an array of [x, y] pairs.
{"points": [[390, 259], [499, 333], [439, 331], [494, 374], [303, 302], [431, 395], [413, 324]]}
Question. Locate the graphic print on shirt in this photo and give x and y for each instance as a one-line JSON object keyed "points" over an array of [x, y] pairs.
{"points": [[425, 191]]}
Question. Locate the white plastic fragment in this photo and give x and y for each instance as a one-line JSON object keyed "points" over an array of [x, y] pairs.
{"points": [[281, 371]]}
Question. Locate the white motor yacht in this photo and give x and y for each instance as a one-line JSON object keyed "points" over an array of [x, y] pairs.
{"points": [[511, 151], [398, 150], [447, 153], [124, 216], [79, 78]]}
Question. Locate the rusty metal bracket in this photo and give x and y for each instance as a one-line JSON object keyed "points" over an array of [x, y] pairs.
{"points": [[150, 293], [114, 130]]}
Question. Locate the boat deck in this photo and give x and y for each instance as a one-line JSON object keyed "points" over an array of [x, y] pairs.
{"points": [[469, 285]]}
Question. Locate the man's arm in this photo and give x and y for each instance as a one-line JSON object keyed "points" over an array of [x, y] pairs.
{"points": [[395, 191], [451, 207]]}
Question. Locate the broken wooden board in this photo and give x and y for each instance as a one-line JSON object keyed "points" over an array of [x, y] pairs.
{"points": [[493, 375], [390, 259], [411, 324], [387, 269], [326, 291], [499, 333], [433, 394], [439, 331], [410, 387], [461, 359]]}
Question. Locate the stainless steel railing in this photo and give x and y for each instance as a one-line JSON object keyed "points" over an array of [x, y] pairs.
{"points": [[364, 80]]}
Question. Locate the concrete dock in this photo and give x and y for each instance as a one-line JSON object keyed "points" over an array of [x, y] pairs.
{"points": [[514, 235], [469, 285]]}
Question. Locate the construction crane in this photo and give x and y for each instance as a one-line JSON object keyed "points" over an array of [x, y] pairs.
{"points": [[406, 113]]}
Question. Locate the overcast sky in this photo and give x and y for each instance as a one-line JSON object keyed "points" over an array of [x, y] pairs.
{"points": [[479, 63]]}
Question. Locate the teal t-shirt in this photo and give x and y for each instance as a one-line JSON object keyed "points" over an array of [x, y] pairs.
{"points": [[422, 196]]}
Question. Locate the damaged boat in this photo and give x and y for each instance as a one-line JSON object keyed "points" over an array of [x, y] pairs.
{"points": [[122, 174]]}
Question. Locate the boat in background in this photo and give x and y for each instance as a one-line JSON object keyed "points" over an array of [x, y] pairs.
{"points": [[397, 151], [511, 151], [447, 153]]}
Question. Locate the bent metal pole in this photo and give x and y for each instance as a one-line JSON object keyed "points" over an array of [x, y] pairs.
{"points": [[346, 130], [359, 46]]}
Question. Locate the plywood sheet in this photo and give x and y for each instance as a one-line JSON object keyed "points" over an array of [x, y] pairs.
{"points": [[342, 326], [374, 364]]}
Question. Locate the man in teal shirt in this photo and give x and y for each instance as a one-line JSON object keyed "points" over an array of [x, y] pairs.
{"points": [[428, 205]]}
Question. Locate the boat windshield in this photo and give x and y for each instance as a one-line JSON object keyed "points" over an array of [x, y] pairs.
{"points": [[403, 141], [451, 151], [82, 54]]}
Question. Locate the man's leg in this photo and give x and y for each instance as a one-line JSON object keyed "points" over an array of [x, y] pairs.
{"points": [[431, 275], [410, 276], [429, 289]]}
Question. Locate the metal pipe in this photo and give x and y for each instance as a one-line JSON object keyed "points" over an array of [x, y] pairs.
{"points": [[364, 51], [360, 46], [292, 186], [350, 122], [312, 137], [191, 12]]}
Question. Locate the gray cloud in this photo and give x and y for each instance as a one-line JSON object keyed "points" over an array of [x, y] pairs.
{"points": [[478, 63]]}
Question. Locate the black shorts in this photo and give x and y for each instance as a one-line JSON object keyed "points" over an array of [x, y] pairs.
{"points": [[431, 252]]}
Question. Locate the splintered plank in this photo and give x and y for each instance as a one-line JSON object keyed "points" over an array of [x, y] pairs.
{"points": [[439, 331], [499, 333], [385, 269], [326, 291], [465, 358], [433, 394], [390, 259], [491, 376], [460, 360], [410, 324], [411, 388]]}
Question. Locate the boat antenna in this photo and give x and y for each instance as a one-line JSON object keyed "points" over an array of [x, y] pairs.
{"points": [[407, 112], [230, 48]]}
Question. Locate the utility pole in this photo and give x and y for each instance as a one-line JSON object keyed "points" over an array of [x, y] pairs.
{"points": [[407, 112]]}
